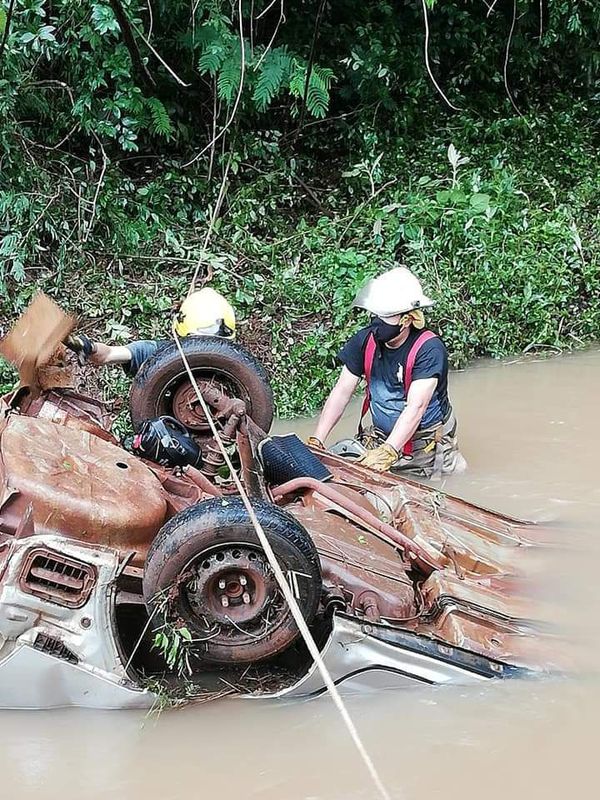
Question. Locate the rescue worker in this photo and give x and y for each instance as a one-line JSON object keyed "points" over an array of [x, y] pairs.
{"points": [[406, 371], [202, 313]]}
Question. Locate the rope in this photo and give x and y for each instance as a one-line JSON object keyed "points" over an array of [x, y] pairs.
{"points": [[287, 592], [262, 537], [211, 225]]}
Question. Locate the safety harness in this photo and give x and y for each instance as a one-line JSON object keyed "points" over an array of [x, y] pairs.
{"points": [[369, 358]]}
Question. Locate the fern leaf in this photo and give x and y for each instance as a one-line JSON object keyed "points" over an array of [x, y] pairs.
{"points": [[211, 60], [229, 76], [20, 207], [317, 99], [160, 122], [297, 80], [325, 75], [319, 83], [18, 270], [6, 201], [8, 245], [274, 73]]}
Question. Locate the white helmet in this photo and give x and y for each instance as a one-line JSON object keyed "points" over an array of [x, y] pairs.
{"points": [[394, 292]]}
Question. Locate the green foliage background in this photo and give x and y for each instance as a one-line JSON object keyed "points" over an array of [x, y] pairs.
{"points": [[339, 156]]}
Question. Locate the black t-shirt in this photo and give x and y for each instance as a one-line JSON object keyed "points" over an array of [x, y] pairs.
{"points": [[388, 397]]}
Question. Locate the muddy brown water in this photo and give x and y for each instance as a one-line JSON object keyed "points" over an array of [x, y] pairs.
{"points": [[530, 433]]}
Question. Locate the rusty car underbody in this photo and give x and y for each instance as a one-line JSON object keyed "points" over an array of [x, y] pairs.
{"points": [[418, 587]]}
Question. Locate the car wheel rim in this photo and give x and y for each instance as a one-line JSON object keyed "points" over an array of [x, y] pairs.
{"points": [[233, 596], [179, 399]]}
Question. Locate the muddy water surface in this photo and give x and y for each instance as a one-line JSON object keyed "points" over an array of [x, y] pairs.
{"points": [[531, 435]]}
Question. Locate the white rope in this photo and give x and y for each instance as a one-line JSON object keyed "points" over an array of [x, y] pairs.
{"points": [[266, 545], [211, 225], [287, 592]]}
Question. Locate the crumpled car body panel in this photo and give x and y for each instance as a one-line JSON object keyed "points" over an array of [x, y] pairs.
{"points": [[78, 513]]}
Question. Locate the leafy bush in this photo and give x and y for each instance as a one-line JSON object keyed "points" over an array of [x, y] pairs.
{"points": [[506, 240], [337, 157]]}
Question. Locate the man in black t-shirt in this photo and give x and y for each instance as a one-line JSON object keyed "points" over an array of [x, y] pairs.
{"points": [[406, 367]]}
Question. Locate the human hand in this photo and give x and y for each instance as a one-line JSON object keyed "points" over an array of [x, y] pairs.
{"points": [[81, 345], [380, 458]]}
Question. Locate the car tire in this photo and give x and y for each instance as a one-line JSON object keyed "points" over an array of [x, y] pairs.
{"points": [[163, 375], [211, 551]]}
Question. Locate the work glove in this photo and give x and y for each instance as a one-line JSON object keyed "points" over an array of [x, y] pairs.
{"points": [[380, 458], [312, 441], [81, 345]]}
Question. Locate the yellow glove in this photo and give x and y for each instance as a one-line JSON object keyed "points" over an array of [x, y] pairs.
{"points": [[312, 441], [380, 458]]}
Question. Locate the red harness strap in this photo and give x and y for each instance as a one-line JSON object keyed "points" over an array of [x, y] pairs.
{"points": [[370, 350]]}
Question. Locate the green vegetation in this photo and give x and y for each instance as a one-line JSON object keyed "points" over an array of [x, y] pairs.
{"points": [[121, 122]]}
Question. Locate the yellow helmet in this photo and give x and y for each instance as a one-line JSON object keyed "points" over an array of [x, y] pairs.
{"points": [[205, 313]]}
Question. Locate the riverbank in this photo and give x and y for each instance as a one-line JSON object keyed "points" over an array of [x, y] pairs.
{"points": [[499, 219]]}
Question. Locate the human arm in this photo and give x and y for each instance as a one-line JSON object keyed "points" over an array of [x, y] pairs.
{"points": [[109, 354], [419, 395], [336, 403], [97, 353]]}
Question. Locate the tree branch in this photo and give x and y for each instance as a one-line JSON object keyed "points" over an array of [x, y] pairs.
{"points": [[6, 27], [506, 59], [131, 44], [427, 64]]}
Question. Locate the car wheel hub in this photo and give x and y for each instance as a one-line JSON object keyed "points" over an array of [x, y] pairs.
{"points": [[233, 587]]}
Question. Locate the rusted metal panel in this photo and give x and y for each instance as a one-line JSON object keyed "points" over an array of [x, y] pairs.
{"points": [[368, 574], [79, 486], [34, 339], [410, 549], [443, 531], [73, 410]]}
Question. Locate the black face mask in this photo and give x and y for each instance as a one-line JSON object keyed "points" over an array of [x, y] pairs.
{"points": [[384, 332]]}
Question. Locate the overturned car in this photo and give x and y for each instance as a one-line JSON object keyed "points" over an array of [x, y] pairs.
{"points": [[122, 579]]}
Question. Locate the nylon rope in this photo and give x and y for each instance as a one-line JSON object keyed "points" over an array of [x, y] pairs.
{"points": [[286, 590]]}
